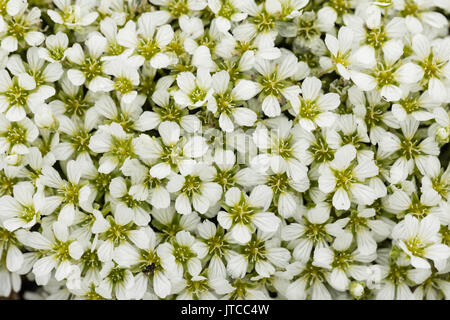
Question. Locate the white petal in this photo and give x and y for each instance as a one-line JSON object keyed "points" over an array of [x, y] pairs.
{"points": [[341, 200]]}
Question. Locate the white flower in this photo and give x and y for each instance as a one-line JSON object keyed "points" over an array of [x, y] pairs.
{"points": [[226, 13], [185, 252], [261, 29], [14, 260], [194, 187], [115, 144], [56, 45], [246, 213], [346, 180], [279, 148], [153, 268], [420, 241], [118, 282], [344, 263], [315, 109], [149, 39], [389, 75], [58, 248], [223, 103], [88, 68], [340, 49], [412, 151], [72, 194], [167, 110], [419, 15], [73, 16], [274, 83], [193, 91], [23, 24], [434, 61], [16, 137], [441, 130], [25, 208], [17, 94], [123, 200]]}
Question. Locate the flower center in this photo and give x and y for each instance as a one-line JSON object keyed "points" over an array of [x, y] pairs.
{"points": [[217, 245], [208, 41], [306, 26], [170, 155], [227, 10], [255, 250], [376, 37], [264, 21], [56, 53], [410, 104], [384, 75], [271, 85], [117, 275], [374, 115], [278, 182], [225, 178], [411, 9], [321, 151], [240, 290], [241, 212], [80, 140], [357, 223], [191, 185], [121, 148], [28, 213], [308, 109], [91, 68], [340, 6], [76, 105], [16, 95], [198, 94], [16, 134], [151, 262], [312, 275], [432, 67], [315, 232], [130, 201], [114, 48], [116, 232], [123, 85], [441, 187], [417, 208], [224, 103], [181, 253], [102, 181], [416, 246], [70, 192], [178, 8], [147, 48], [90, 261], [6, 184], [61, 250], [170, 113], [342, 260], [17, 28], [397, 274], [282, 147], [197, 287], [409, 148], [344, 178]]}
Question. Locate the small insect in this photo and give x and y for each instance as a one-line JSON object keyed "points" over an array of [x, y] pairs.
{"points": [[149, 269]]}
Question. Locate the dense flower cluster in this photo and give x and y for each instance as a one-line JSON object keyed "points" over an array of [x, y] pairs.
{"points": [[231, 149]]}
